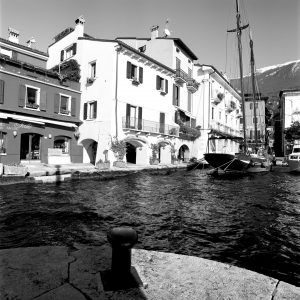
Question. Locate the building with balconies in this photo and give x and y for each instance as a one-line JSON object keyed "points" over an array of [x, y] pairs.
{"points": [[176, 55], [39, 114], [126, 94], [220, 112]]}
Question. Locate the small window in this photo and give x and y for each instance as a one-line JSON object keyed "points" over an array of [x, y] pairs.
{"points": [[134, 73], [93, 70], [90, 110], [2, 143], [162, 85], [61, 142], [64, 107], [142, 49], [69, 52], [32, 97]]}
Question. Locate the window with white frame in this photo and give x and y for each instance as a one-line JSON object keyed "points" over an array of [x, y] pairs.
{"points": [[2, 142], [32, 97], [93, 69], [65, 104], [69, 52], [90, 110]]}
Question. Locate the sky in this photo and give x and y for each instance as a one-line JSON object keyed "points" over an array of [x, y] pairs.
{"points": [[201, 24]]}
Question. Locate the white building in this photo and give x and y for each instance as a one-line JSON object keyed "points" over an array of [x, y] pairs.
{"points": [[218, 111], [125, 94]]}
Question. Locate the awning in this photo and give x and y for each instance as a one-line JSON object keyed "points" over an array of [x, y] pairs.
{"points": [[40, 121]]}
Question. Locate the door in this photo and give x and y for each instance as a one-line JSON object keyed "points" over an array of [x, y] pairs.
{"points": [[30, 146]]}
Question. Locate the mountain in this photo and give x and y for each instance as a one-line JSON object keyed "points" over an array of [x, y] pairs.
{"points": [[273, 79]]}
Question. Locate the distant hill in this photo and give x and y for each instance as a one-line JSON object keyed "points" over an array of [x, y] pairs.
{"points": [[271, 80]]}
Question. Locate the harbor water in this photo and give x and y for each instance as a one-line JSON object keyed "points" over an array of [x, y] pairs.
{"points": [[251, 222]]}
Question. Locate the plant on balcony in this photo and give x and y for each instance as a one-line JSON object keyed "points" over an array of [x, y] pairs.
{"points": [[69, 69], [32, 105], [189, 133], [154, 157], [118, 148], [220, 96], [64, 111], [173, 131]]}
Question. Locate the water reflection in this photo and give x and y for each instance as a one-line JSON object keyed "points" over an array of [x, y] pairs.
{"points": [[252, 222]]}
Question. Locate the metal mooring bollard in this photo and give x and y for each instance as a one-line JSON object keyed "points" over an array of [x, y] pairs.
{"points": [[121, 275], [122, 239]]}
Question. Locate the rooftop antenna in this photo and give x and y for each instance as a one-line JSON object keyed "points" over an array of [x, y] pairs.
{"points": [[166, 30]]}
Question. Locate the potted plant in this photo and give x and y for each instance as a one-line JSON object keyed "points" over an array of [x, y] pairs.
{"points": [[119, 149], [102, 165], [154, 158], [174, 159]]}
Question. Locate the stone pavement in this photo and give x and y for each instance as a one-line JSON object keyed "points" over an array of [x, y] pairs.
{"points": [[60, 273]]}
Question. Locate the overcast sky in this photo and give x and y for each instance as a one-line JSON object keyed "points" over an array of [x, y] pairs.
{"points": [[201, 24]]}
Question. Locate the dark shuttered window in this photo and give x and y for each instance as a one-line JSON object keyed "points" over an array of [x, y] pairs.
{"points": [[140, 74], [85, 111], [56, 103], [62, 53], [22, 95], [43, 101], [1, 91], [128, 71], [73, 107]]}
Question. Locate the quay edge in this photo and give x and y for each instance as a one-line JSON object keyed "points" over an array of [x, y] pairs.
{"points": [[57, 272]]}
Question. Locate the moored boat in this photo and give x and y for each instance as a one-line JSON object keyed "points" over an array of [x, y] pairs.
{"points": [[294, 159]]}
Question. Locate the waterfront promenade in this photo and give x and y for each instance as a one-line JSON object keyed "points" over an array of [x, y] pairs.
{"points": [[61, 273]]}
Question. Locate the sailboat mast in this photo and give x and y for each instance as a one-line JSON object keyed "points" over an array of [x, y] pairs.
{"points": [[253, 89], [239, 35]]}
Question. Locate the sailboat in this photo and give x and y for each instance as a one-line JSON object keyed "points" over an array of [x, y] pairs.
{"points": [[244, 162]]}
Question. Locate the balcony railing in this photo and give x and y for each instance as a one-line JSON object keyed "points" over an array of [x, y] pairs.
{"points": [[180, 76], [225, 129], [192, 85], [149, 126]]}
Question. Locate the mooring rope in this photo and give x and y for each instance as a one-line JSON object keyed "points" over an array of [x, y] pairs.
{"points": [[230, 162], [200, 161]]}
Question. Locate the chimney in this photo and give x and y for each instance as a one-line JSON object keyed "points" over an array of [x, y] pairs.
{"points": [[79, 26], [154, 32], [13, 35], [30, 43]]}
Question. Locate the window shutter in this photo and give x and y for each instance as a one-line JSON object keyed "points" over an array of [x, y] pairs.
{"points": [[140, 117], [1, 91], [56, 103], [43, 101], [193, 123], [84, 111], [166, 90], [189, 102], [73, 107], [174, 94], [140, 74], [22, 95], [162, 123], [178, 96], [62, 52], [95, 109], [127, 115], [157, 82], [128, 72], [74, 48]]}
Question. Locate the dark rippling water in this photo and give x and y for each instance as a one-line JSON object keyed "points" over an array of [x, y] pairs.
{"points": [[251, 222]]}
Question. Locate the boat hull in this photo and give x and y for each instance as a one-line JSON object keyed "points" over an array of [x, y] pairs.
{"points": [[227, 162], [294, 166]]}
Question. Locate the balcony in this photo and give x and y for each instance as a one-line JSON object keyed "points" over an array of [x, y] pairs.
{"points": [[147, 126], [216, 100], [180, 76], [231, 106], [188, 133], [192, 85], [224, 129]]}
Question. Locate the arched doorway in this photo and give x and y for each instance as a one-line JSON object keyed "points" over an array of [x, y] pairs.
{"points": [[184, 153], [130, 153], [30, 148], [90, 147]]}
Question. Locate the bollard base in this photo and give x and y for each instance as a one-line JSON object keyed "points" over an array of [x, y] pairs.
{"points": [[116, 282]]}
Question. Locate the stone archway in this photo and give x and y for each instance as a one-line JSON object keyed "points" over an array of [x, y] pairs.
{"points": [[136, 152], [184, 153], [90, 146], [164, 151]]}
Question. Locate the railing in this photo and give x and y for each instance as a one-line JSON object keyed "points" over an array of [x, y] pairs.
{"points": [[225, 129], [149, 126], [180, 76]]}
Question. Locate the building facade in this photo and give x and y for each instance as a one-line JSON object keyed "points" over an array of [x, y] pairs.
{"points": [[125, 95], [39, 114]]}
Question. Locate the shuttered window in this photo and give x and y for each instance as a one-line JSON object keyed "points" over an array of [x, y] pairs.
{"points": [[1, 91], [135, 73], [22, 95], [43, 101], [176, 95], [73, 107]]}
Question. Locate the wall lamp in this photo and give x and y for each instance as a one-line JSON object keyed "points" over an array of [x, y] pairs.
{"points": [[50, 136], [15, 133]]}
